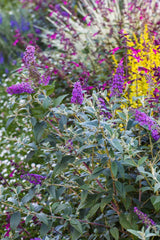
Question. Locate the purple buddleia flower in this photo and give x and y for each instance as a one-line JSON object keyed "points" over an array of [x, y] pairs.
{"points": [[14, 23], [1, 19], [20, 88], [59, 9], [77, 95], [35, 239], [29, 56], [44, 80], [33, 178], [145, 120], [1, 58], [37, 30], [25, 25], [118, 81], [142, 216]]}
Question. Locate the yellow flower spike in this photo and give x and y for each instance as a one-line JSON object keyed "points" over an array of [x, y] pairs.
{"points": [[143, 56]]}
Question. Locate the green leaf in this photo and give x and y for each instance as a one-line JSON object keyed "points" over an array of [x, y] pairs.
{"points": [[15, 220], [28, 196], [97, 171], [128, 220], [51, 140], [33, 121], [156, 202], [35, 207], [49, 88], [9, 121], [86, 147], [93, 210], [93, 123], [62, 122], [28, 219], [44, 229], [63, 164], [115, 233], [61, 208], [121, 189], [130, 124], [75, 234], [157, 187], [116, 143], [104, 202], [77, 225], [58, 100], [52, 191], [42, 217], [114, 168], [38, 130], [84, 195], [19, 188], [142, 160], [121, 170], [30, 155], [46, 103], [136, 233]]}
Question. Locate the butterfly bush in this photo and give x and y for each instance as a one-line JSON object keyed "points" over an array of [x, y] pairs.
{"points": [[33, 178], [145, 120], [142, 216], [118, 81], [77, 95], [29, 56], [20, 88]]}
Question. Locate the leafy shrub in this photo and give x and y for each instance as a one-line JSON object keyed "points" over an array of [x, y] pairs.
{"points": [[90, 156]]}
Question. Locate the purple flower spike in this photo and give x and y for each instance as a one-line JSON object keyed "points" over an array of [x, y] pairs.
{"points": [[19, 88], [29, 58], [35, 239], [1, 19], [118, 81], [144, 119], [77, 95], [33, 178], [142, 216]]}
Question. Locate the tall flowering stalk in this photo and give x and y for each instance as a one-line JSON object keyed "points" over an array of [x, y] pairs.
{"points": [[118, 81], [77, 95], [29, 56], [143, 58], [145, 120], [142, 216]]}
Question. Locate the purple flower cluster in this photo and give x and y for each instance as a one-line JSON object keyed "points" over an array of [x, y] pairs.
{"points": [[44, 80], [118, 81], [60, 11], [144, 119], [29, 56], [1, 58], [77, 95], [1, 19], [33, 178], [19, 88], [142, 216], [35, 239]]}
